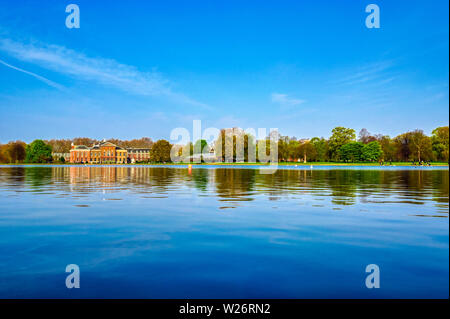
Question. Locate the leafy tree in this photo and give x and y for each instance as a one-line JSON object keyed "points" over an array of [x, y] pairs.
{"points": [[402, 145], [269, 145], [84, 141], [388, 147], [38, 152], [144, 142], [186, 151], [321, 146], [340, 137], [413, 145], [372, 152], [60, 145], [221, 144], [307, 150], [351, 152], [200, 146], [440, 143], [14, 152], [420, 145], [293, 150], [3, 157], [231, 140], [365, 137], [160, 151], [283, 150]]}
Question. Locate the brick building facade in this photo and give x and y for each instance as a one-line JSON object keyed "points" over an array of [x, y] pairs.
{"points": [[138, 154], [107, 153]]}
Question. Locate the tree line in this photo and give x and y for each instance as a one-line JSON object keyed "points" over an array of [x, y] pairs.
{"points": [[40, 151], [342, 146]]}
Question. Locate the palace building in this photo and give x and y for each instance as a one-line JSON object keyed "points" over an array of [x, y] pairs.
{"points": [[138, 154], [107, 153], [80, 154]]}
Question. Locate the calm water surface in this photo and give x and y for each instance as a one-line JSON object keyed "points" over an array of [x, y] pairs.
{"points": [[223, 232]]}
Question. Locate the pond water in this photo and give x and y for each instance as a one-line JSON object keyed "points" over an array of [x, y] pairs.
{"points": [[223, 232]]}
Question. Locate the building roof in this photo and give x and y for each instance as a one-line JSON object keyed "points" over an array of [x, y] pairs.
{"points": [[81, 147], [99, 145], [134, 149], [107, 144]]}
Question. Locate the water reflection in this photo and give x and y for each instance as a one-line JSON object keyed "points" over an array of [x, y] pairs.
{"points": [[216, 232], [234, 186]]}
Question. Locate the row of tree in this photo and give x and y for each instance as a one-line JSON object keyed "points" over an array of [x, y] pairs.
{"points": [[40, 151], [344, 146], [236, 145], [17, 152]]}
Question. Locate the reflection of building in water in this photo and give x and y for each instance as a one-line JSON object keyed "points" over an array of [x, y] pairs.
{"points": [[108, 174], [60, 173], [79, 174], [235, 184], [107, 153], [336, 187], [95, 174]]}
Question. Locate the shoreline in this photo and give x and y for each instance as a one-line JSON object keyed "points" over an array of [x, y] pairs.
{"points": [[394, 164]]}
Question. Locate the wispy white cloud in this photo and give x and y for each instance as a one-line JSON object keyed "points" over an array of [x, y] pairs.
{"points": [[40, 78], [102, 71], [379, 73], [285, 100]]}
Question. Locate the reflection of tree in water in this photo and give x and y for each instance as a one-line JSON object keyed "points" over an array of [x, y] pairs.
{"points": [[417, 185], [201, 178], [439, 182], [153, 179], [282, 182], [343, 185], [162, 177], [409, 186], [13, 176], [414, 186], [235, 184], [38, 176]]}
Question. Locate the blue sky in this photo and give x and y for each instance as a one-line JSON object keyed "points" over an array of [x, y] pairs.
{"points": [[142, 68]]}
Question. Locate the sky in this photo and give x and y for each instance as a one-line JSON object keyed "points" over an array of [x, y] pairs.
{"points": [[143, 68]]}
